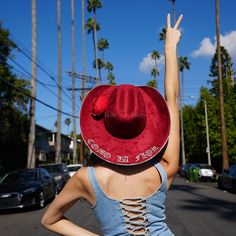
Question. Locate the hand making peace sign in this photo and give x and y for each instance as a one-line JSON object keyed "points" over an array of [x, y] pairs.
{"points": [[172, 34]]}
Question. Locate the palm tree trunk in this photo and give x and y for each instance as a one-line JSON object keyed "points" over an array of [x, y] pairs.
{"points": [[73, 83], [95, 47], [225, 164], [174, 10], [58, 140], [83, 74], [31, 142]]}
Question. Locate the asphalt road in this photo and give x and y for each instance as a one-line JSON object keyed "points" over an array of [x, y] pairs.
{"points": [[200, 209], [193, 209]]}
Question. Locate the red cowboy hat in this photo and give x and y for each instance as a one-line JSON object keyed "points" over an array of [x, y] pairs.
{"points": [[125, 124]]}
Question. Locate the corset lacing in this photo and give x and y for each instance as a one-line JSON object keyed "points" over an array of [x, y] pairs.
{"points": [[134, 211]]}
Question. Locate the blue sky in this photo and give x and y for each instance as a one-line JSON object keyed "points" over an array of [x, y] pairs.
{"points": [[132, 28]]}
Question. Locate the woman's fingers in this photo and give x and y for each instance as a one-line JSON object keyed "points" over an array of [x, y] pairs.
{"points": [[168, 21], [178, 22]]}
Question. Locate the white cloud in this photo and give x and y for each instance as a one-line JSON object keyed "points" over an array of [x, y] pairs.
{"points": [[148, 63], [207, 48]]}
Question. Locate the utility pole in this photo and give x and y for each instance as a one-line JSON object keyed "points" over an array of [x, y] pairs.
{"points": [[225, 161], [73, 82], [208, 150], [58, 141], [83, 73], [31, 142]]}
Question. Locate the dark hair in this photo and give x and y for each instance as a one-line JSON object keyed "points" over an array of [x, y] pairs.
{"points": [[94, 160]]}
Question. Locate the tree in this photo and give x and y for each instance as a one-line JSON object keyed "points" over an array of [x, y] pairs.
{"points": [[100, 65], [155, 55], [31, 144], [162, 35], [228, 74], [59, 101], [110, 76], [173, 10], [67, 123], [152, 83], [83, 73], [73, 81], [102, 45], [14, 120], [225, 159], [92, 6], [93, 26]]}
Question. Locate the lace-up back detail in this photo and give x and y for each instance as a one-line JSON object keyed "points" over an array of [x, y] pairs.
{"points": [[134, 212], [131, 216]]}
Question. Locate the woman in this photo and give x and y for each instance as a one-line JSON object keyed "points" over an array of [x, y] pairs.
{"points": [[135, 132]]}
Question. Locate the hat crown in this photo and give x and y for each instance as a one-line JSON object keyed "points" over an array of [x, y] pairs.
{"points": [[125, 116]]}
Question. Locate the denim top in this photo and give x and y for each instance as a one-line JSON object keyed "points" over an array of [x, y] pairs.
{"points": [[131, 216]]}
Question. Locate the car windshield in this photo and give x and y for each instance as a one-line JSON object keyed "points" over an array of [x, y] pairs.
{"points": [[19, 177], [205, 166], [73, 168], [53, 168]]}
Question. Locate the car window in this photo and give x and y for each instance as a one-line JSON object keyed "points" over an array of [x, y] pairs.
{"points": [[53, 168], [20, 177], [44, 173], [232, 170], [64, 167], [73, 168]]}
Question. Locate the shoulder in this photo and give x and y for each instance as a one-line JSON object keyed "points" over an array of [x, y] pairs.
{"points": [[83, 184]]}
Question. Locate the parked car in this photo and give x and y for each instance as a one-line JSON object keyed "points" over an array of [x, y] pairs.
{"points": [[73, 168], [204, 172], [183, 172], [26, 187], [227, 180], [60, 173]]}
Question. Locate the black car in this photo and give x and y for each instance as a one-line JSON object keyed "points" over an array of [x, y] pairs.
{"points": [[25, 188], [60, 173], [227, 180], [183, 172]]}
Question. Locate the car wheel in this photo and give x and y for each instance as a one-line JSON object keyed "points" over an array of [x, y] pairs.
{"points": [[219, 184], [41, 200]]}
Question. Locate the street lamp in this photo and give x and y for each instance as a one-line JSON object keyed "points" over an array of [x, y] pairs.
{"points": [[207, 133], [208, 150]]}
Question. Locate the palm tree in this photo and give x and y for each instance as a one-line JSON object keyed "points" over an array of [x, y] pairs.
{"points": [[67, 123], [83, 73], [155, 55], [183, 64], [152, 83], [111, 79], [90, 26], [73, 82], [225, 164], [110, 76], [31, 142], [102, 45], [162, 35], [100, 65], [58, 142], [173, 9], [92, 6], [155, 73]]}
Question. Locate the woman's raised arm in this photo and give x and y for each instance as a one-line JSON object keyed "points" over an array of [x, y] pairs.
{"points": [[171, 154]]}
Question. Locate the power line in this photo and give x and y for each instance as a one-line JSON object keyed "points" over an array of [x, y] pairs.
{"points": [[36, 99], [27, 53], [37, 80]]}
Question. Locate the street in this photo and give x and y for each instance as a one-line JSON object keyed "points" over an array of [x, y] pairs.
{"points": [[193, 209]]}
